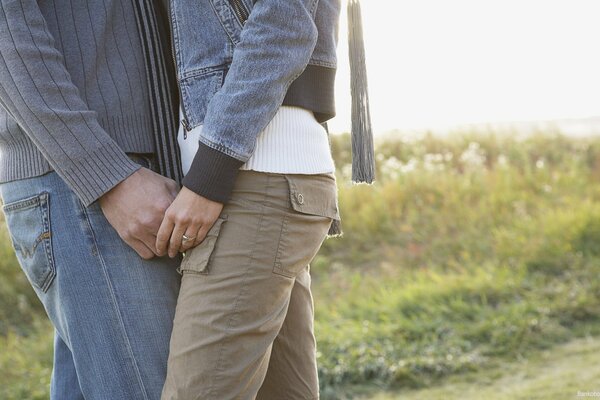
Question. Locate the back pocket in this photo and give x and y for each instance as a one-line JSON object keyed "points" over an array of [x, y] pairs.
{"points": [[28, 223], [313, 201]]}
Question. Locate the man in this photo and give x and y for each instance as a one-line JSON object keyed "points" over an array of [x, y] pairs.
{"points": [[87, 115]]}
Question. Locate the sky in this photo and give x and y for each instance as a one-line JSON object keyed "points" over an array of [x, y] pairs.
{"points": [[438, 63]]}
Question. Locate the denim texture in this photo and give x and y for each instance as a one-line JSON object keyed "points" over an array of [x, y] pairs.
{"points": [[260, 57], [234, 73], [112, 311]]}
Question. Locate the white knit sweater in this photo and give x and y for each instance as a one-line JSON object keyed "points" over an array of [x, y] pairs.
{"points": [[293, 142]]}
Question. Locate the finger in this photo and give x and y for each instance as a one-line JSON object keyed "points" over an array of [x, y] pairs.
{"points": [[149, 240], [201, 235], [190, 232], [140, 248], [176, 237], [164, 234]]}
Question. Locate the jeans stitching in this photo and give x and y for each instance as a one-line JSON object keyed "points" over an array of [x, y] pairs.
{"points": [[45, 210], [41, 203], [116, 308], [23, 204]]}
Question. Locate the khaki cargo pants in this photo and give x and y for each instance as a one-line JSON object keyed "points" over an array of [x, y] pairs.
{"points": [[244, 320]]}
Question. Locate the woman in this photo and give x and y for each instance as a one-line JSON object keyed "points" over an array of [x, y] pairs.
{"points": [[259, 195]]}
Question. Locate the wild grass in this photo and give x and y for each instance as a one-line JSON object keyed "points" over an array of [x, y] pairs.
{"points": [[469, 251]]}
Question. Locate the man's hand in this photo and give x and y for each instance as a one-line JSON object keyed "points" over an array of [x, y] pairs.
{"points": [[136, 207], [190, 214]]}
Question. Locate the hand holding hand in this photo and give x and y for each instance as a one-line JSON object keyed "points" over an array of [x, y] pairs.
{"points": [[136, 206], [191, 215]]}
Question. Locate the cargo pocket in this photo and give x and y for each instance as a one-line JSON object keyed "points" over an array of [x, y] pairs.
{"points": [[28, 223], [313, 206], [196, 260]]}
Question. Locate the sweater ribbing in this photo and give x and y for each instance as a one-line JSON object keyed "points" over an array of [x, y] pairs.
{"points": [[75, 92], [293, 142]]}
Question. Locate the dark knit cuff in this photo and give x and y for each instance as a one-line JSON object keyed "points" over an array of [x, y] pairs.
{"points": [[212, 174], [314, 90]]}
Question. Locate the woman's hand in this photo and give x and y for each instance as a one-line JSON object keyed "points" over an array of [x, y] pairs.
{"points": [[191, 215]]}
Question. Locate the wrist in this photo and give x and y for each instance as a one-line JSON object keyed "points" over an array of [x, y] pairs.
{"points": [[212, 174]]}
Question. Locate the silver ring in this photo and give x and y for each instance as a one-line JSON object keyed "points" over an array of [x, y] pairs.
{"points": [[186, 238]]}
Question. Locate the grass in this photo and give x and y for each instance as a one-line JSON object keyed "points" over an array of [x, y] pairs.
{"points": [[26, 363], [558, 373], [416, 334], [471, 255], [469, 250]]}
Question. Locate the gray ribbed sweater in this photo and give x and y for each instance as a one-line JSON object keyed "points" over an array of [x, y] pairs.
{"points": [[81, 85]]}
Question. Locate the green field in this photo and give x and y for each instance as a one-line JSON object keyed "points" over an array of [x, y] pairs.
{"points": [[469, 270], [557, 373]]}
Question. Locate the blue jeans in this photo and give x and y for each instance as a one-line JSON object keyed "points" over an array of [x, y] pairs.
{"points": [[112, 310]]}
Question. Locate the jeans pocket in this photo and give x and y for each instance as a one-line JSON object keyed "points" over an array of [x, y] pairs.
{"points": [[196, 260], [28, 223], [313, 201]]}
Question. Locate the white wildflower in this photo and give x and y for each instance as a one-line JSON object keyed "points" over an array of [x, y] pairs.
{"points": [[391, 167], [473, 156], [410, 166], [539, 163], [433, 162], [502, 160]]}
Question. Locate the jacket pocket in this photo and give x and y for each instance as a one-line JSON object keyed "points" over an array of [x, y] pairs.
{"points": [[196, 260], [28, 223], [197, 89], [313, 207]]}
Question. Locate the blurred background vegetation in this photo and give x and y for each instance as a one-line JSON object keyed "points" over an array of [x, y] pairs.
{"points": [[468, 270]]}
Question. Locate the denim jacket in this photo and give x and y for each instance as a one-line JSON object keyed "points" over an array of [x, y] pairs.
{"points": [[237, 62]]}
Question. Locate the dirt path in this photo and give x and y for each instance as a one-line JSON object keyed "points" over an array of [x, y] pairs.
{"points": [[557, 373]]}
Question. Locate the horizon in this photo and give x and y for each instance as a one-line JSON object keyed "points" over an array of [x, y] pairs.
{"points": [[572, 127]]}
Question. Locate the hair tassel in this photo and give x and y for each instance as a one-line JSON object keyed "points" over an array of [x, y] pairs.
{"points": [[363, 153]]}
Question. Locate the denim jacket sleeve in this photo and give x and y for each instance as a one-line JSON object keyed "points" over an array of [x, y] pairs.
{"points": [[275, 46]]}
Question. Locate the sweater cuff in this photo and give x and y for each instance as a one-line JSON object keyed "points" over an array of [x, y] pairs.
{"points": [[98, 172], [212, 174]]}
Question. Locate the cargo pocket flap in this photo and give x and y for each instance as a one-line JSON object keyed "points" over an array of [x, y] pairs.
{"points": [[314, 194], [196, 259]]}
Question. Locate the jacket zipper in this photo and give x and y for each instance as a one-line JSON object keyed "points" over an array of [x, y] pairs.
{"points": [[240, 10], [186, 126]]}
